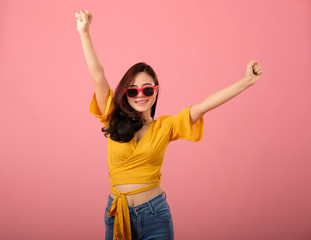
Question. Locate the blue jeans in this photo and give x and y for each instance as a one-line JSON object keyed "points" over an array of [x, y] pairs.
{"points": [[150, 220]]}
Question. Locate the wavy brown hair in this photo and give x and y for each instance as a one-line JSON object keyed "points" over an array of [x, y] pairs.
{"points": [[125, 120]]}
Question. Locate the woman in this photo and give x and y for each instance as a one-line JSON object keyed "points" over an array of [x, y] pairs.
{"points": [[137, 206]]}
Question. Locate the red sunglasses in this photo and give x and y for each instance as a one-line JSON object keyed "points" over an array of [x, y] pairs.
{"points": [[146, 91]]}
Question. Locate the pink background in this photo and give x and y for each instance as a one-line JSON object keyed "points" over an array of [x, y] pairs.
{"points": [[249, 177]]}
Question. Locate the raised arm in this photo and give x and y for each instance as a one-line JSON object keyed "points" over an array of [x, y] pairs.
{"points": [[252, 75], [96, 69]]}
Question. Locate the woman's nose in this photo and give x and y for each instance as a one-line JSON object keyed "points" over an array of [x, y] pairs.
{"points": [[140, 94]]}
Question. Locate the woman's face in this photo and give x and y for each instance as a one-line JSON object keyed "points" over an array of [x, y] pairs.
{"points": [[142, 103]]}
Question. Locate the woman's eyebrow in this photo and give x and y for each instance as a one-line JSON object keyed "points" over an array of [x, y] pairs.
{"points": [[143, 85]]}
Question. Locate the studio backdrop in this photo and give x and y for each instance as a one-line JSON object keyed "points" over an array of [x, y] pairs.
{"points": [[248, 178]]}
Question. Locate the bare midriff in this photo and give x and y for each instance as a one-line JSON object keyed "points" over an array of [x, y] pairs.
{"points": [[139, 198]]}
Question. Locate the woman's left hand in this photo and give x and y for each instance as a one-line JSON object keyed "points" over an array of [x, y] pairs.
{"points": [[253, 72]]}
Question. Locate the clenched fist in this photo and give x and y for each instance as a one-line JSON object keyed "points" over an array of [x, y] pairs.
{"points": [[253, 72], [84, 20]]}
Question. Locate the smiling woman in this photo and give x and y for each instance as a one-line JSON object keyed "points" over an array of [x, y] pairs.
{"points": [[136, 148], [142, 98], [137, 207], [132, 113]]}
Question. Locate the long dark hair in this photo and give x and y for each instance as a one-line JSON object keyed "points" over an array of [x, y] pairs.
{"points": [[125, 120]]}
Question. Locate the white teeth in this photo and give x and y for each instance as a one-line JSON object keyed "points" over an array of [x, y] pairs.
{"points": [[142, 101]]}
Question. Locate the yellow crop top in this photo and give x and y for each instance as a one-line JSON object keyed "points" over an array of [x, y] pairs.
{"points": [[131, 163]]}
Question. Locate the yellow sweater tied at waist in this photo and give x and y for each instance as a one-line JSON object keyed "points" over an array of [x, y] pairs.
{"points": [[120, 210]]}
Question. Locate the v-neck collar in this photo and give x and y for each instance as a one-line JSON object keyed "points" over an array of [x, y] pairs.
{"points": [[134, 138]]}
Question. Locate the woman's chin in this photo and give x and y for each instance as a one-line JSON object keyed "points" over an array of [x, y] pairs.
{"points": [[142, 108]]}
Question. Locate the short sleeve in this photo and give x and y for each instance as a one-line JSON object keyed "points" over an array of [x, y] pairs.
{"points": [[106, 117], [182, 129]]}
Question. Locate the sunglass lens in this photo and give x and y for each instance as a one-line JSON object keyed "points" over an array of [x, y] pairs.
{"points": [[132, 92], [148, 91]]}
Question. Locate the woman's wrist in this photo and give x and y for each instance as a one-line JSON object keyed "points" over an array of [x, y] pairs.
{"points": [[84, 33], [245, 82]]}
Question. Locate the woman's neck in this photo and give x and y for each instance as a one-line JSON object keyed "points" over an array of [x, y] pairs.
{"points": [[147, 117]]}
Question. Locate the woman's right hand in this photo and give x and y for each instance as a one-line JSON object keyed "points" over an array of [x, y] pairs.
{"points": [[84, 20]]}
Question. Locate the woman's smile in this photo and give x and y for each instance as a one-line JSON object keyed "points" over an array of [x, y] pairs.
{"points": [[141, 102]]}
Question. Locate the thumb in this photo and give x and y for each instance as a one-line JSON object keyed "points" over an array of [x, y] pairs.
{"points": [[89, 15], [252, 64]]}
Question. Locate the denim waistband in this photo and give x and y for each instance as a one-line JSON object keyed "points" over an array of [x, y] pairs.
{"points": [[151, 203]]}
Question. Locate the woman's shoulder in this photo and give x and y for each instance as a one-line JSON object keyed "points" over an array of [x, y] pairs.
{"points": [[164, 119], [173, 116]]}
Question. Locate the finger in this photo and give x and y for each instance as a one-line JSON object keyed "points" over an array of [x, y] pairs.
{"points": [[88, 15], [82, 14], [256, 67], [252, 63], [258, 72], [78, 17], [85, 13]]}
